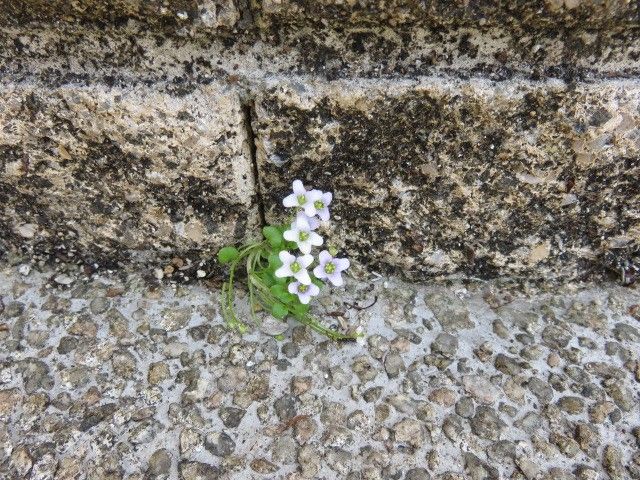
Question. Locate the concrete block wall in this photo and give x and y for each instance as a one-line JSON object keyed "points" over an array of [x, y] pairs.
{"points": [[484, 140]]}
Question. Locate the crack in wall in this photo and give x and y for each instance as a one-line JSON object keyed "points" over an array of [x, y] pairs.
{"points": [[248, 110]]}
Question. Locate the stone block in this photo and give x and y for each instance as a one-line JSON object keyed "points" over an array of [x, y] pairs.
{"points": [[158, 14], [123, 174], [333, 38], [583, 14], [443, 176], [555, 38]]}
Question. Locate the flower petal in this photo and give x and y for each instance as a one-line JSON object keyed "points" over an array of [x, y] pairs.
{"points": [[326, 198], [313, 290], [324, 257], [303, 277], [324, 214], [298, 188], [290, 235], [305, 260], [319, 272], [315, 239], [309, 209], [284, 271], [290, 201], [301, 223], [314, 195], [293, 287], [313, 222], [305, 247], [341, 263], [304, 298], [286, 258], [336, 279]]}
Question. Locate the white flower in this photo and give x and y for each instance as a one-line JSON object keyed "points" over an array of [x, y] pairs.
{"points": [[301, 233], [330, 268], [299, 197], [319, 204], [295, 267], [304, 292], [312, 202]]}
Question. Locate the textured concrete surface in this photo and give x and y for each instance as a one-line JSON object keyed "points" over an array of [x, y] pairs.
{"points": [[123, 174], [440, 176], [114, 377]]}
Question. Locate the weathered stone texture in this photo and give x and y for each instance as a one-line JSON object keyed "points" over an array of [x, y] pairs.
{"points": [[114, 174], [443, 13], [155, 13], [443, 176], [55, 54], [552, 38]]}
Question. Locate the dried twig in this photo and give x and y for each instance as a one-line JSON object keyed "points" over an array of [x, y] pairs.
{"points": [[286, 425], [356, 307]]}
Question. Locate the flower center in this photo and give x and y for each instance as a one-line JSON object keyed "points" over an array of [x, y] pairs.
{"points": [[295, 267], [304, 236], [301, 199], [329, 267], [303, 288], [319, 204]]}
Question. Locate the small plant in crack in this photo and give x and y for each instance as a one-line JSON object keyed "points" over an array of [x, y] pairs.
{"points": [[282, 274]]}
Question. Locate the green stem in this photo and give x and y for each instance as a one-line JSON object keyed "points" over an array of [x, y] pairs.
{"points": [[318, 327], [228, 310]]}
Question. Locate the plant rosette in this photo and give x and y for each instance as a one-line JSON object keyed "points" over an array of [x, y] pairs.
{"points": [[283, 275]]}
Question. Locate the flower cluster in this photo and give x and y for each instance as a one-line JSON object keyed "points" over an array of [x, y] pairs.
{"points": [[309, 203], [283, 274]]}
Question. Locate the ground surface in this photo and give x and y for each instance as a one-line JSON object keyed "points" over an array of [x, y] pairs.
{"points": [[113, 378]]}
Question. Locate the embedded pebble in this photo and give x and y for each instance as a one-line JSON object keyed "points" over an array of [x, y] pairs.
{"points": [[63, 279], [480, 388], [99, 305], [272, 326], [159, 463], [572, 405], [393, 364], [486, 423], [219, 444], [445, 344]]}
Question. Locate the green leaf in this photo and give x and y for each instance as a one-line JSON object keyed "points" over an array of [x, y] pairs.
{"points": [[228, 254], [277, 290], [274, 261], [290, 245], [267, 278], [319, 283], [279, 311], [300, 309], [273, 236], [281, 293]]}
